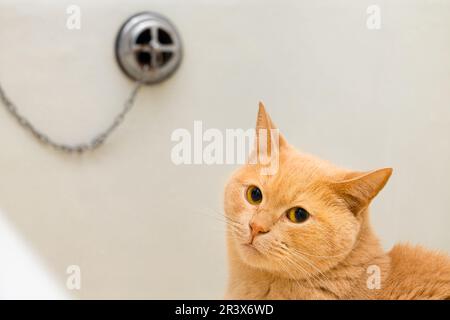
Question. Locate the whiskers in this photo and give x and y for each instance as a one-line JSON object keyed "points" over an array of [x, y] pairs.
{"points": [[292, 254], [237, 228], [289, 267]]}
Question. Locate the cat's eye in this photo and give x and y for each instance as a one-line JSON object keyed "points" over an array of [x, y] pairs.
{"points": [[254, 195], [297, 215]]}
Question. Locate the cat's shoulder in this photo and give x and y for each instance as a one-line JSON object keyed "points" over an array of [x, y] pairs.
{"points": [[419, 259], [418, 273]]}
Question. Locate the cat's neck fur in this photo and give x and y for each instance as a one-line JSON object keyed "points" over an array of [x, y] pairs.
{"points": [[347, 280]]}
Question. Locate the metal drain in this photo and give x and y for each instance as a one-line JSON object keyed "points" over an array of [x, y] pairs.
{"points": [[148, 48]]}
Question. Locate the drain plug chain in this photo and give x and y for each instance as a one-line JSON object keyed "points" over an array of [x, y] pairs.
{"points": [[94, 143]]}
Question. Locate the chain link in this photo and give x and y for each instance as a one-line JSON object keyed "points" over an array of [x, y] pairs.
{"points": [[94, 143]]}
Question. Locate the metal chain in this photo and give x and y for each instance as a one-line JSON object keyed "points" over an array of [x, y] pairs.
{"points": [[94, 143]]}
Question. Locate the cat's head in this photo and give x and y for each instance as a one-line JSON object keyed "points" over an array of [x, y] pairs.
{"points": [[301, 220]]}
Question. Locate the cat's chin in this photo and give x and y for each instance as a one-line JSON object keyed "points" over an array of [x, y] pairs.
{"points": [[252, 256], [250, 249]]}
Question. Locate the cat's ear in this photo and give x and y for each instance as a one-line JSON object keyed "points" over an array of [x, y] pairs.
{"points": [[358, 189], [265, 126]]}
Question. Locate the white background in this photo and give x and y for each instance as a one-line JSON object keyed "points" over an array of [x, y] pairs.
{"points": [[141, 227]]}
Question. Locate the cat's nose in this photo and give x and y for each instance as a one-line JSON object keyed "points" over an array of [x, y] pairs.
{"points": [[257, 228]]}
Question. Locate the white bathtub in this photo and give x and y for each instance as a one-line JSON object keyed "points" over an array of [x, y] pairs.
{"points": [[139, 226]]}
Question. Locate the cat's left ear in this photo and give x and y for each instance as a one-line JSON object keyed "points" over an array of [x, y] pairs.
{"points": [[359, 189]]}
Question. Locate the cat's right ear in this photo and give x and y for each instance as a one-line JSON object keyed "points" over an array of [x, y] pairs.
{"points": [[266, 131], [359, 189]]}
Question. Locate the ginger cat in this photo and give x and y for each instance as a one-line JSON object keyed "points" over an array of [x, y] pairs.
{"points": [[304, 233]]}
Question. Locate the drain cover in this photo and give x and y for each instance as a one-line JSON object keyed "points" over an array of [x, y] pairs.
{"points": [[148, 47]]}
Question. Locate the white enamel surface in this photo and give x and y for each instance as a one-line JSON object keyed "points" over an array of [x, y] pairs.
{"points": [[141, 227], [23, 274]]}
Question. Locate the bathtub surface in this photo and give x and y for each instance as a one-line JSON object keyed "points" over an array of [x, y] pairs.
{"points": [[137, 225]]}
